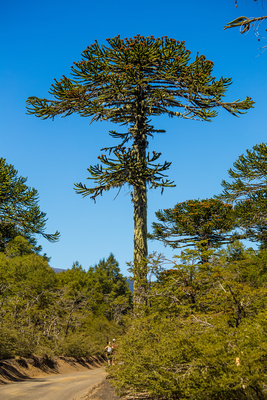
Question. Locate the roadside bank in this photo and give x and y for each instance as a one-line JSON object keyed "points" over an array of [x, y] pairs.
{"points": [[15, 370]]}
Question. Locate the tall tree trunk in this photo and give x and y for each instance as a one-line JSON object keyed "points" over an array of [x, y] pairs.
{"points": [[140, 245], [140, 213]]}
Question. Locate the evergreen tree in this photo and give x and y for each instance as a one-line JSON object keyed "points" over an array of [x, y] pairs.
{"points": [[19, 210], [103, 285], [207, 223], [127, 82], [110, 288], [248, 192]]}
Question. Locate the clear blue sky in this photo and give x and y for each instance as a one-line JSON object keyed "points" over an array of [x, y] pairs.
{"points": [[40, 41]]}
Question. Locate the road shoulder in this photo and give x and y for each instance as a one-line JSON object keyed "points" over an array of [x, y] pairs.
{"points": [[102, 391]]}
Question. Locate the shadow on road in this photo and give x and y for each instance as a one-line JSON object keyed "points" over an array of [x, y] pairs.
{"points": [[10, 373], [16, 370]]}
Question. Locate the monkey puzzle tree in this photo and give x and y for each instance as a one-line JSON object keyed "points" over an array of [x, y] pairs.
{"points": [[19, 210], [204, 223], [248, 191], [127, 82]]}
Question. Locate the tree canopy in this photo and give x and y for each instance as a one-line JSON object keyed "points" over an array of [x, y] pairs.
{"points": [[128, 81], [107, 83], [208, 223], [248, 192], [103, 284], [20, 213], [69, 313]]}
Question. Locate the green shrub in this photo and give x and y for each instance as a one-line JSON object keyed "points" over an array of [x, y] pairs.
{"points": [[13, 343], [78, 345], [182, 359]]}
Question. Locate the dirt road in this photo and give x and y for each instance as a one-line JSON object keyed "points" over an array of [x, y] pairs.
{"points": [[71, 386]]}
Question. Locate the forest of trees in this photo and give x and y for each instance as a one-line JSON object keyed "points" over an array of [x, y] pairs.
{"points": [[202, 330], [196, 330], [203, 334], [69, 313]]}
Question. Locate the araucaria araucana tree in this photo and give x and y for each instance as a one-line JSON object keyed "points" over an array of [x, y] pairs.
{"points": [[207, 223], [248, 191], [127, 82], [20, 213]]}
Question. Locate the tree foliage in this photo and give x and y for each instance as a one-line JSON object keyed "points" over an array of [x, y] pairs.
{"points": [[105, 288], [247, 191], [204, 335], [69, 313], [128, 81], [107, 82], [208, 223], [20, 213]]}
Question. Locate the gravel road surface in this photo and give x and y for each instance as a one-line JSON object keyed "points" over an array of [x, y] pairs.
{"points": [[71, 386]]}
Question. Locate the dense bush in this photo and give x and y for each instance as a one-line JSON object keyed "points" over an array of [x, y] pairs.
{"points": [[204, 335]]}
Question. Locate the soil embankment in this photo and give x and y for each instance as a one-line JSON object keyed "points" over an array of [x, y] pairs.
{"points": [[15, 370]]}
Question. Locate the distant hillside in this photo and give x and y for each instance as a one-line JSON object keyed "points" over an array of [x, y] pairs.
{"points": [[57, 270], [131, 284]]}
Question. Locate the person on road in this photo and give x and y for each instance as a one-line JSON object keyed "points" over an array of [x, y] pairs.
{"points": [[108, 349]]}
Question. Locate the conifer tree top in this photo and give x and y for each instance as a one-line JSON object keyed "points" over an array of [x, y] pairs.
{"points": [[107, 81]]}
